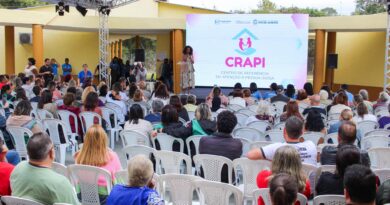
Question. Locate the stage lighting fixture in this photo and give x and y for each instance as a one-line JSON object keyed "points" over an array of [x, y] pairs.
{"points": [[61, 8], [105, 10], [83, 11]]}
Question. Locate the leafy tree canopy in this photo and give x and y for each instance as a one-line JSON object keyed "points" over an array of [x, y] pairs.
{"points": [[14, 4]]}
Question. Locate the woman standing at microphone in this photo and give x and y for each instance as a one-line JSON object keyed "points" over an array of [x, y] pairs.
{"points": [[187, 70]]}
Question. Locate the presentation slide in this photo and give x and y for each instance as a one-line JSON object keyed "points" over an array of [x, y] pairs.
{"points": [[245, 48]]}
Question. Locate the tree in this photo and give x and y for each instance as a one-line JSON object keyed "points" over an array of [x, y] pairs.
{"points": [[369, 7], [328, 11], [265, 6], [14, 4]]}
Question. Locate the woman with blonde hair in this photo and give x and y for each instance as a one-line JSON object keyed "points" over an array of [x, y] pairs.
{"points": [[139, 188], [95, 152], [286, 160], [203, 124], [86, 91], [263, 113]]}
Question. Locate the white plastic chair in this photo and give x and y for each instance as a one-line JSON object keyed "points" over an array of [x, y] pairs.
{"points": [[180, 187], [115, 107], [374, 142], [278, 107], [379, 157], [212, 166], [65, 117], [382, 113], [333, 136], [44, 114], [261, 125], [378, 132], [234, 107], [333, 116], [366, 126], [113, 128], [321, 169], [264, 194], [168, 162], [13, 200], [166, 142], [34, 105], [279, 126], [217, 193], [310, 172], [246, 145], [380, 108], [131, 151], [88, 118], [60, 169], [195, 139], [312, 136], [329, 200], [241, 119], [253, 108], [86, 178], [247, 112], [17, 133], [52, 127], [260, 144], [382, 174], [130, 137], [249, 169], [331, 122], [249, 133], [275, 135], [121, 177], [191, 115]]}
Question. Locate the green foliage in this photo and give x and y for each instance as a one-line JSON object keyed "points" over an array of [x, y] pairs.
{"points": [[14, 4], [267, 6], [369, 7]]}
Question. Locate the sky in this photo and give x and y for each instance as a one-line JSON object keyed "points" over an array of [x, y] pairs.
{"points": [[343, 7]]}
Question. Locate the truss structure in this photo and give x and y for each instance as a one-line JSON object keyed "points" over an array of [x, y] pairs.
{"points": [[102, 6], [386, 86]]}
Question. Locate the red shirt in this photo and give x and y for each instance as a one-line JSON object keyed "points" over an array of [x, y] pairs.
{"points": [[5, 173], [262, 182]]}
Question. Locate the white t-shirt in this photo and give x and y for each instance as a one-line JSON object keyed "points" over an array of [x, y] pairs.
{"points": [[143, 127], [238, 101], [338, 108], [28, 70], [306, 149], [369, 117]]}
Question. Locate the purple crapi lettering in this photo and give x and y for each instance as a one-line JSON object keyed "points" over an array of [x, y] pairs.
{"points": [[248, 62]]}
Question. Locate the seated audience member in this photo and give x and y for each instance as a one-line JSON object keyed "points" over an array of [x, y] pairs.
{"points": [[315, 103], [115, 98], [364, 94], [5, 171], [162, 94], [308, 87], [292, 133], [383, 193], [120, 87], [362, 114], [181, 111], [155, 116], [34, 179], [132, 88], [86, 91], [359, 185], [324, 97], [191, 103], [286, 160], [91, 105], [302, 97], [183, 99], [330, 183], [77, 94], [68, 105], [37, 92], [272, 92], [46, 103], [52, 87], [341, 103], [222, 142], [142, 86], [136, 121], [238, 98], [216, 92], [6, 94], [28, 83], [21, 117], [172, 126], [140, 99], [263, 113], [314, 123], [292, 109], [203, 124], [346, 115], [95, 152], [283, 189], [103, 90], [249, 100], [216, 105], [346, 135], [255, 91], [384, 120], [237, 86], [290, 91], [20, 94], [139, 188], [344, 87], [280, 95]]}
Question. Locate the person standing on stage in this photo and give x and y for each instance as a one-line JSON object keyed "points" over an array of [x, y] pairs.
{"points": [[66, 68], [46, 71], [187, 70]]}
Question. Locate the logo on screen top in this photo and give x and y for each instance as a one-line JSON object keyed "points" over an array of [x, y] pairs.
{"points": [[244, 41]]}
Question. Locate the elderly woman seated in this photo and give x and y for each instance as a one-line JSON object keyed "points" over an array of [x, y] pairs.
{"points": [[139, 190]]}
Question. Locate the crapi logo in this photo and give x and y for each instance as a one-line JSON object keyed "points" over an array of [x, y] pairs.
{"points": [[245, 42], [245, 39]]}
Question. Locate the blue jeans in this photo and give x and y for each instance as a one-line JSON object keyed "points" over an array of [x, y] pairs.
{"points": [[12, 157]]}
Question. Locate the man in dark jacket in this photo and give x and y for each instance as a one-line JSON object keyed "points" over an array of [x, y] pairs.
{"points": [[346, 135], [222, 142], [280, 95]]}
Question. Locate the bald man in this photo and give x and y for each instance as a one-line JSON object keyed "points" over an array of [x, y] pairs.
{"points": [[315, 104]]}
